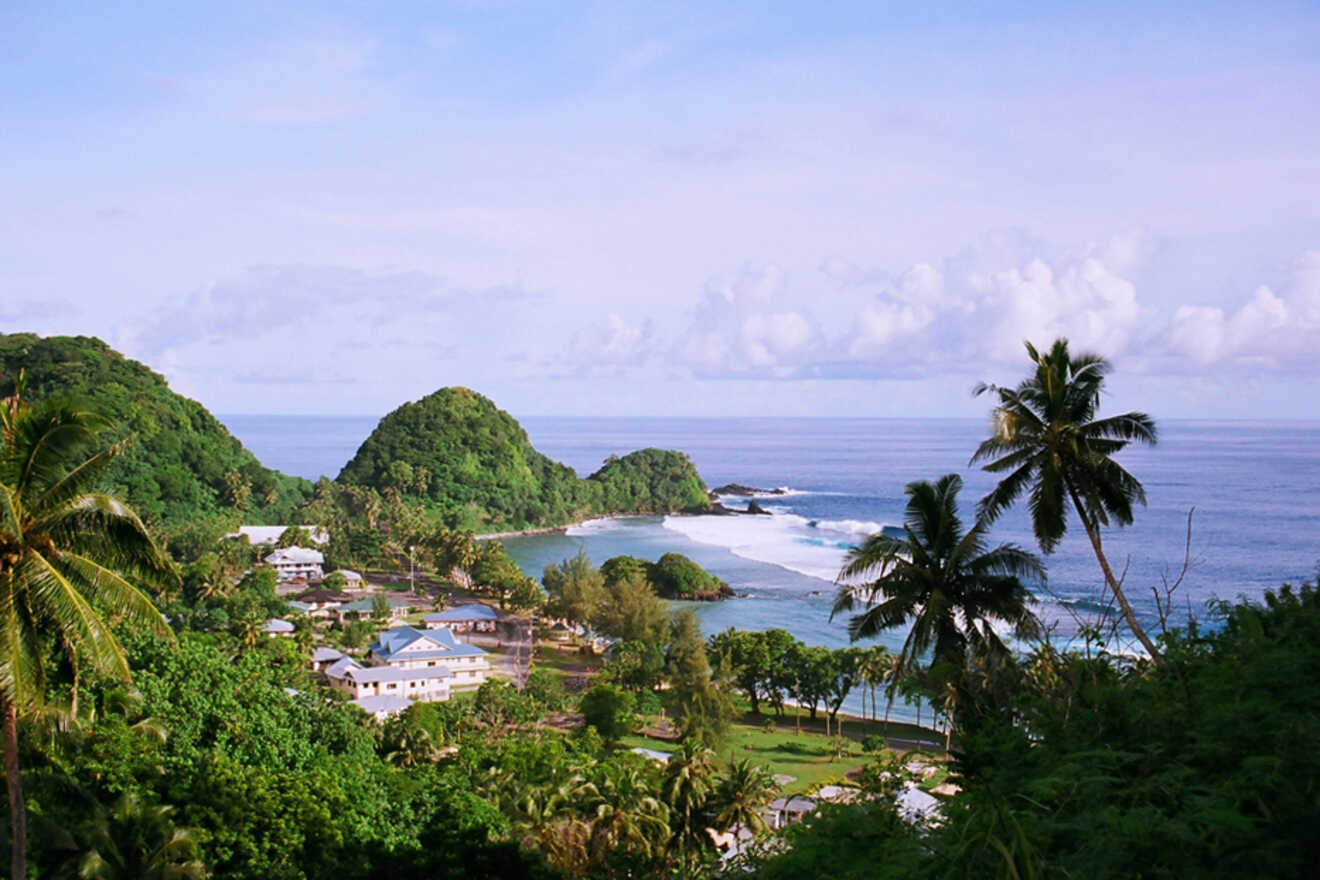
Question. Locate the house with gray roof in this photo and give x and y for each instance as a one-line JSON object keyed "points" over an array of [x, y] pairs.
{"points": [[323, 657], [382, 705], [277, 627], [464, 618], [362, 608]]}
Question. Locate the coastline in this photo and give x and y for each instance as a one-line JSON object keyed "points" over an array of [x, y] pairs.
{"points": [[559, 530]]}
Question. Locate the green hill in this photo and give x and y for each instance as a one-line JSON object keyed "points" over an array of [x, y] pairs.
{"points": [[473, 463], [182, 465]]}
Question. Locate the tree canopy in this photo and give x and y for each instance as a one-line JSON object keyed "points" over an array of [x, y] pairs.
{"points": [[457, 453], [180, 465]]}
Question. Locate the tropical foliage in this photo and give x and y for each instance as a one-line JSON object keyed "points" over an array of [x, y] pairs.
{"points": [[71, 560], [1090, 765], [179, 466], [473, 464]]}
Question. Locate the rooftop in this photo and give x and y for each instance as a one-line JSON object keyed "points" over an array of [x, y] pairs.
{"points": [[349, 668], [275, 625], [386, 703], [463, 613], [435, 643], [295, 555]]}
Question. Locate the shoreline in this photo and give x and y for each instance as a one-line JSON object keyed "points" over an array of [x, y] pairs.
{"points": [[559, 530]]}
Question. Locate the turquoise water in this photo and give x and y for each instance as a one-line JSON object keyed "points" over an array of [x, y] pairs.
{"points": [[1253, 487]]}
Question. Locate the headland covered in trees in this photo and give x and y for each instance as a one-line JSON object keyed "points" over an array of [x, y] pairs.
{"points": [[462, 462]]}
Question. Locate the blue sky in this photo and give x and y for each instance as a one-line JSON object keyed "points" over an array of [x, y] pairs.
{"points": [[669, 209]]}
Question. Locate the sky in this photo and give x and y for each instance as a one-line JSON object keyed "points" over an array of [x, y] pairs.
{"points": [[701, 209]]}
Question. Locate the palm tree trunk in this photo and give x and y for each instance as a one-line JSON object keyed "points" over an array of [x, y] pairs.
{"points": [[1093, 532], [17, 808]]}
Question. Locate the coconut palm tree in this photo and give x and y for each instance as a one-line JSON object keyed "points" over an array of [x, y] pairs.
{"points": [[875, 669], [69, 556], [946, 583], [1050, 445], [686, 787], [137, 841], [626, 815], [740, 794]]}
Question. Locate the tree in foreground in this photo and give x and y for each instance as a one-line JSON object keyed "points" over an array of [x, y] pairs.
{"points": [[949, 585], [69, 555], [1049, 444], [137, 841]]}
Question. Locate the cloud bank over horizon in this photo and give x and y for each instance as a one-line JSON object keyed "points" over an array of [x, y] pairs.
{"points": [[708, 210]]}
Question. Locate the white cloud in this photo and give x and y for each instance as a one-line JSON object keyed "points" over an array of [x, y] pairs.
{"points": [[610, 344], [1267, 330], [748, 325]]}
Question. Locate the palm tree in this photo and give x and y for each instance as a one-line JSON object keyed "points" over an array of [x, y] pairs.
{"points": [[626, 815], [68, 556], [944, 581], [686, 787], [740, 794], [1049, 443], [136, 841], [875, 669]]}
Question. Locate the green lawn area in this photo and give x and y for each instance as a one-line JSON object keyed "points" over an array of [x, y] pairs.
{"points": [[808, 756], [549, 654]]}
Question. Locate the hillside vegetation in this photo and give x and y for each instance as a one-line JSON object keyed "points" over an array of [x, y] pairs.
{"points": [[474, 465], [181, 464]]}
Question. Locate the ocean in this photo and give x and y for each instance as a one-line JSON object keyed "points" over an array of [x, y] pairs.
{"points": [[1250, 488]]}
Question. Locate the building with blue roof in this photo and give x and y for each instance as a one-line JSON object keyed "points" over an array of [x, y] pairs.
{"points": [[464, 618], [406, 647]]}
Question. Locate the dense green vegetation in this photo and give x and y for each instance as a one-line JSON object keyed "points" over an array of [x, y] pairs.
{"points": [[1091, 765], [180, 464], [473, 464], [225, 756]]}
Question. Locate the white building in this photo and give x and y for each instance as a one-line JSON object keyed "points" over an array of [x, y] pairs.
{"points": [[407, 662], [289, 562]]}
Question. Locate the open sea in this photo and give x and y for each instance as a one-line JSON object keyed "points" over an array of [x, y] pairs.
{"points": [[1252, 486]]}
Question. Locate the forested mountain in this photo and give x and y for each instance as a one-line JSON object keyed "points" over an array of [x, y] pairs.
{"points": [[181, 464], [473, 463]]}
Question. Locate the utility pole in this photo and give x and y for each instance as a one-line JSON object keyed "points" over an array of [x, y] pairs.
{"points": [[412, 576]]}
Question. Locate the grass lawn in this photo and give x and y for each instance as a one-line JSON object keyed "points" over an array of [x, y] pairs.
{"points": [[809, 757], [566, 659]]}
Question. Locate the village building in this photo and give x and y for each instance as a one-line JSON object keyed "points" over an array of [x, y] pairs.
{"points": [[352, 579], [405, 647], [322, 603], [473, 617], [323, 658], [277, 627], [382, 706], [291, 562], [362, 610], [426, 684]]}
